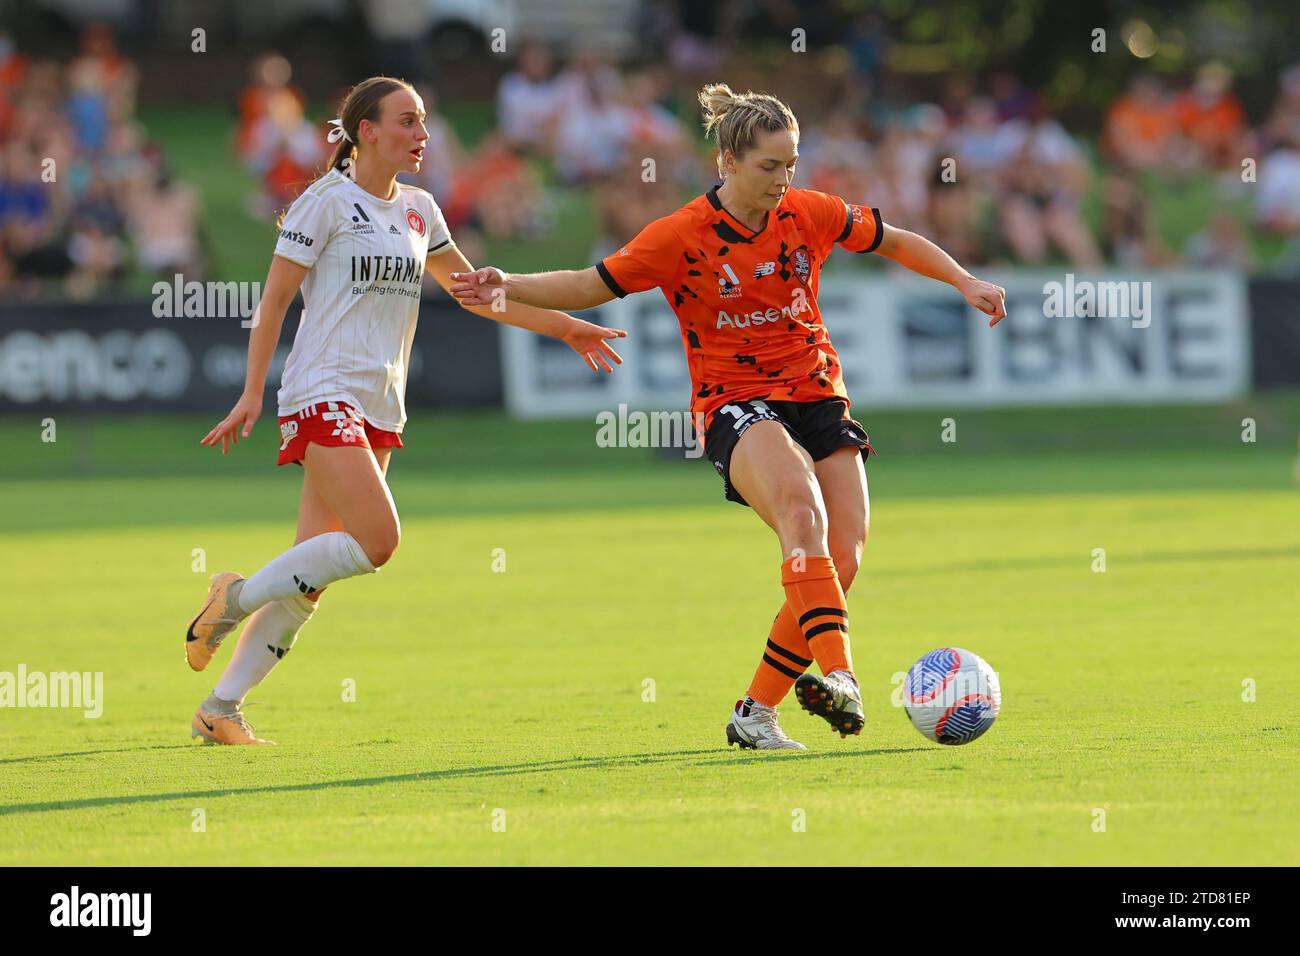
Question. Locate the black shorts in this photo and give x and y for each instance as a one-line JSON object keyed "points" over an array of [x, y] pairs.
{"points": [[820, 428]]}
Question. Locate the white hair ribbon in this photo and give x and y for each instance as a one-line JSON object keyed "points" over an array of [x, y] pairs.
{"points": [[338, 132]]}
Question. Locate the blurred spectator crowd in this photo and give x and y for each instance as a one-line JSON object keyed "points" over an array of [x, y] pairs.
{"points": [[85, 196], [987, 171], [984, 168]]}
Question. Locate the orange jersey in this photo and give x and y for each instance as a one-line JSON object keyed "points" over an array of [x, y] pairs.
{"points": [[747, 301]]}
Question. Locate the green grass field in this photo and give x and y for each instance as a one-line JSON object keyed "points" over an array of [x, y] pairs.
{"points": [[518, 696]]}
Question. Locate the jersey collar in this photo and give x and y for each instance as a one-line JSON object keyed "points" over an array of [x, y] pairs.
{"points": [[371, 196], [716, 203]]}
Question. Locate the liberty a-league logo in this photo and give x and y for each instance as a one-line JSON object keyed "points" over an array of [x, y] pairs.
{"points": [[361, 224], [801, 261], [728, 284]]}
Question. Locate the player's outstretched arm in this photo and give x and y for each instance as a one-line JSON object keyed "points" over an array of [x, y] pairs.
{"points": [[925, 258], [454, 273], [282, 282], [569, 289]]}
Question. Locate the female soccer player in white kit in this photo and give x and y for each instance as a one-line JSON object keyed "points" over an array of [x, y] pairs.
{"points": [[357, 242]]}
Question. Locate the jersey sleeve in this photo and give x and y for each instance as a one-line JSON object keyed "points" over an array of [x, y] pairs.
{"points": [[306, 229], [863, 229], [855, 227], [440, 240], [647, 262]]}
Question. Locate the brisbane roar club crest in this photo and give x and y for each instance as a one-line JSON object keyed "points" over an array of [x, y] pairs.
{"points": [[801, 264], [415, 221], [797, 262]]}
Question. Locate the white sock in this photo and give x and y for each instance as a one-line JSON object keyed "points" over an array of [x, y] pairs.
{"points": [[308, 566], [268, 635]]}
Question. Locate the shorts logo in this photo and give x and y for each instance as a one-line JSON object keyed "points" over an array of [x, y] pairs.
{"points": [[802, 263], [415, 221], [350, 427], [288, 432]]}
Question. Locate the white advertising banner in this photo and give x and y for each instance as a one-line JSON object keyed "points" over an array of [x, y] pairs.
{"points": [[1068, 338]]}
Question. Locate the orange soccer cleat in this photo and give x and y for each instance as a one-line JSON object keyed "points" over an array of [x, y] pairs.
{"points": [[219, 728], [219, 617]]}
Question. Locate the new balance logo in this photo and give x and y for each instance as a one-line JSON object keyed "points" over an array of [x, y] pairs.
{"points": [[764, 269], [394, 230]]}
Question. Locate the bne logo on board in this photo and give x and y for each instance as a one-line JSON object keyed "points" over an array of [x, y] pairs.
{"points": [[133, 910]]}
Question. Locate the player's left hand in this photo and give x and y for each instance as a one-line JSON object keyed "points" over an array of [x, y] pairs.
{"points": [[988, 298], [592, 343], [483, 286]]}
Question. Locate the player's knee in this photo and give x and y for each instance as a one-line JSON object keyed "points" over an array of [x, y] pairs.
{"points": [[382, 545], [800, 511]]}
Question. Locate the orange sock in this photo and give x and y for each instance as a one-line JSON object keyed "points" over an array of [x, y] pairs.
{"points": [[787, 656], [813, 593]]}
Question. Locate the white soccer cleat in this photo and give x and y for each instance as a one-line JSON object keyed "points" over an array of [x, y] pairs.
{"points": [[759, 730], [835, 698]]}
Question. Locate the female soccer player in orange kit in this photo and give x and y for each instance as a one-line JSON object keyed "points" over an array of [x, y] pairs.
{"points": [[358, 243], [740, 266]]}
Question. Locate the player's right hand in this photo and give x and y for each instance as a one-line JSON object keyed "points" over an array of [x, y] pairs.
{"points": [[478, 287], [988, 298], [239, 423]]}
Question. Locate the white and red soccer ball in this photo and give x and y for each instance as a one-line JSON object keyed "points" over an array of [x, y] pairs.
{"points": [[952, 696]]}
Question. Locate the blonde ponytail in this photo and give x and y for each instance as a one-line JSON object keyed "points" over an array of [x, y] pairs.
{"points": [[716, 99], [734, 120]]}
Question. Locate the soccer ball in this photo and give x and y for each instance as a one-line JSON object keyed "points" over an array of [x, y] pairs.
{"points": [[952, 696]]}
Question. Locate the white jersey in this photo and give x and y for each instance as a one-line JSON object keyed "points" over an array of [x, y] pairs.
{"points": [[361, 298]]}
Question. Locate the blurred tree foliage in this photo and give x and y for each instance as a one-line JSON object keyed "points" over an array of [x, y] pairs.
{"points": [[1048, 44]]}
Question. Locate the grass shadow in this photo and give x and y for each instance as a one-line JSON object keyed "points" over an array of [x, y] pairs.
{"points": [[453, 773], [32, 758]]}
